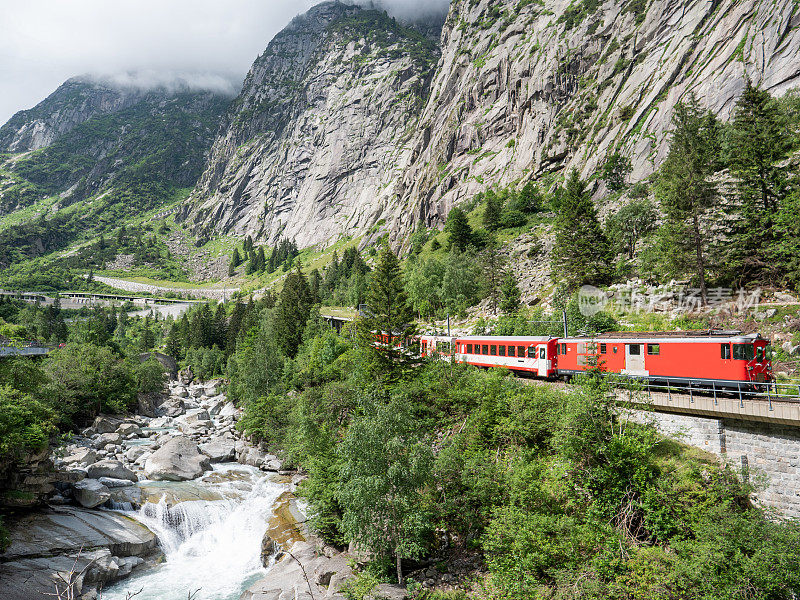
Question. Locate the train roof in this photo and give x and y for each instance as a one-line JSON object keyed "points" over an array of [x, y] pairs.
{"points": [[506, 338], [700, 335]]}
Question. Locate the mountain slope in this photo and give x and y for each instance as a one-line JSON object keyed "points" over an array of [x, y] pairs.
{"points": [[526, 89], [319, 132], [74, 102]]}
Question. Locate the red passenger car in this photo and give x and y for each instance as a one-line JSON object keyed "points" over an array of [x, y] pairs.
{"points": [[727, 358], [534, 355]]}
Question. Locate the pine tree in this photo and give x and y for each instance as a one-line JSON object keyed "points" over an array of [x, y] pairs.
{"points": [[493, 269], [236, 260], [313, 283], [492, 211], [291, 312], [389, 316], [459, 228], [220, 327], [234, 325], [530, 198], [615, 170], [759, 138], [261, 260], [685, 189], [510, 295], [581, 254]]}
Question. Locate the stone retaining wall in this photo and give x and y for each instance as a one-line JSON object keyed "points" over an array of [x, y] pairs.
{"points": [[767, 454]]}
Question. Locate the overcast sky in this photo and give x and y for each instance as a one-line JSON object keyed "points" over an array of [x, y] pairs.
{"points": [[45, 42]]}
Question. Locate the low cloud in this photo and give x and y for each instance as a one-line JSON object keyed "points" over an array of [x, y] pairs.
{"points": [[203, 43], [173, 81]]}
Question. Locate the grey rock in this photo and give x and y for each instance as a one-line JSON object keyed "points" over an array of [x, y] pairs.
{"points": [[110, 468], [81, 456], [218, 450], [105, 424], [90, 493], [107, 439], [112, 483], [177, 460]]}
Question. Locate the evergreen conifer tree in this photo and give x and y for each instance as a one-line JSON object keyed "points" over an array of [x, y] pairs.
{"points": [[492, 211], [390, 317], [459, 229], [291, 312], [510, 295], [236, 260], [685, 189], [581, 254]]}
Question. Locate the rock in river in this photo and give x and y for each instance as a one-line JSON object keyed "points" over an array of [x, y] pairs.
{"points": [[110, 468], [46, 543], [177, 460], [90, 492]]}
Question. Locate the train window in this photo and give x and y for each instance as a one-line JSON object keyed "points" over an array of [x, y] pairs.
{"points": [[725, 351], [485, 349], [563, 348], [512, 351], [443, 347], [469, 348], [743, 352], [614, 349], [493, 350], [532, 352], [502, 350], [760, 354], [542, 353], [654, 349], [520, 351], [634, 349], [602, 348]]}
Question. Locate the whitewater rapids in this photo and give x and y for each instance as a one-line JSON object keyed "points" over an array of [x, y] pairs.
{"points": [[211, 547]]}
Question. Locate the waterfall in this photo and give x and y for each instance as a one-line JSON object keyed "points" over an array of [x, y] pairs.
{"points": [[211, 546]]}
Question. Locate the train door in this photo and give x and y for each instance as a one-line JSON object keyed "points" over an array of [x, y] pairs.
{"points": [[634, 359], [542, 366]]}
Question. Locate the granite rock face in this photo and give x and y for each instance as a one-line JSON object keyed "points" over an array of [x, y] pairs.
{"points": [[320, 131], [526, 89], [343, 127]]}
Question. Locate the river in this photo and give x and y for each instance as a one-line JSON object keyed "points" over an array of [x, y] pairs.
{"points": [[212, 547]]}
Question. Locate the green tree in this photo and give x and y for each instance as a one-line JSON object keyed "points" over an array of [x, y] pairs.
{"points": [[493, 271], [630, 224], [530, 198], [581, 254], [616, 170], [459, 228], [26, 424], [492, 210], [461, 281], [510, 294], [390, 316], [291, 312], [685, 189], [87, 380], [786, 250], [236, 260], [424, 284], [385, 468], [759, 138]]}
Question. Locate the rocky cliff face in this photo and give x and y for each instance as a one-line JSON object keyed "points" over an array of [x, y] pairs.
{"points": [[336, 130], [526, 89], [74, 102], [320, 131]]}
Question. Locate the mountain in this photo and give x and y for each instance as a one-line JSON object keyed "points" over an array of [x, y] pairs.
{"points": [[320, 132], [101, 137], [532, 89], [345, 122], [74, 102]]}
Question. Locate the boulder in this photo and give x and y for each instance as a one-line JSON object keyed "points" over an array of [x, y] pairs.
{"points": [[81, 456], [112, 483], [229, 410], [90, 493], [194, 416], [105, 424], [177, 460], [107, 439], [218, 450], [127, 429], [110, 468], [212, 388], [186, 376], [180, 392], [135, 452]]}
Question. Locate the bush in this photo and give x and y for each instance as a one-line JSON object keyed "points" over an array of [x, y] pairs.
{"points": [[150, 376], [26, 424]]}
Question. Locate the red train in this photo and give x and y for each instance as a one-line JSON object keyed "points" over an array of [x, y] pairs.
{"points": [[726, 358]]}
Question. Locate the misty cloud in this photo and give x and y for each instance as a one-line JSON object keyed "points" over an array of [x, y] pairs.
{"points": [[205, 44]]}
